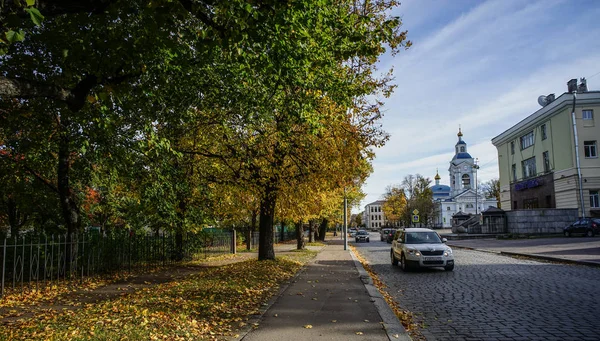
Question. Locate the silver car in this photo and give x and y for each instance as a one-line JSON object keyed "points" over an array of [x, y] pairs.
{"points": [[420, 247], [361, 236]]}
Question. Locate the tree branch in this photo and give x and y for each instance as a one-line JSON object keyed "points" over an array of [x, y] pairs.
{"points": [[48, 184]]}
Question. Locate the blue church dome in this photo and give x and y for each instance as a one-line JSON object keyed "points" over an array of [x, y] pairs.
{"points": [[460, 142], [463, 156], [440, 188]]}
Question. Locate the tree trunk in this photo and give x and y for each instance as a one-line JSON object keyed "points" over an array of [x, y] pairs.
{"points": [[179, 229], [300, 235], [311, 229], [68, 200], [16, 219], [265, 228], [323, 229], [251, 230]]}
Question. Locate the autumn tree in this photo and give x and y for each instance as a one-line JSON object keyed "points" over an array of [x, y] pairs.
{"points": [[395, 205], [491, 189], [419, 196], [269, 92]]}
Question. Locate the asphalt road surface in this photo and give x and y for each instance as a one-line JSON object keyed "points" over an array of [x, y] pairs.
{"points": [[493, 297]]}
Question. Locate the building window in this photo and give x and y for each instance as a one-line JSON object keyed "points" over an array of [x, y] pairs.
{"points": [[527, 140], [514, 205], [512, 147], [462, 149], [530, 203], [514, 172], [529, 167], [588, 114], [546, 161], [590, 149], [448, 208], [594, 202], [543, 129]]}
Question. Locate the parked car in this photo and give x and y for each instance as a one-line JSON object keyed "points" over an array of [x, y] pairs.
{"points": [[383, 234], [390, 236], [352, 232], [362, 236], [585, 226], [420, 247]]}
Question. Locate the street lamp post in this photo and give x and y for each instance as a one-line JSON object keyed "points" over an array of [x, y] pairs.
{"points": [[345, 227], [476, 167]]}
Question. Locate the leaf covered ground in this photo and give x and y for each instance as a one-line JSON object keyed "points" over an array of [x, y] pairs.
{"points": [[212, 303], [405, 317]]}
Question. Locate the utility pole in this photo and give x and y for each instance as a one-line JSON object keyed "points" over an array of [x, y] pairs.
{"points": [[345, 227], [476, 167]]}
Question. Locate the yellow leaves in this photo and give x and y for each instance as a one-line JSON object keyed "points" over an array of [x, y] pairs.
{"points": [[308, 326], [210, 304]]}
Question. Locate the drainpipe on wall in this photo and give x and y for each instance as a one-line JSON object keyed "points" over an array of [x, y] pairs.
{"points": [[577, 156]]}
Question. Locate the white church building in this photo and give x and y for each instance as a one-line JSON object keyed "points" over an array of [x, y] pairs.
{"points": [[460, 197]]}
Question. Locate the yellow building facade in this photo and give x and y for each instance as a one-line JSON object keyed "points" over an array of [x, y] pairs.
{"points": [[537, 159]]}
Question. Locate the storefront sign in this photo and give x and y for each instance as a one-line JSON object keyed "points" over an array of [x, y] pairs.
{"points": [[528, 184]]}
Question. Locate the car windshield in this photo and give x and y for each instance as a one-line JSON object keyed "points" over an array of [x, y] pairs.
{"points": [[363, 233], [422, 238]]}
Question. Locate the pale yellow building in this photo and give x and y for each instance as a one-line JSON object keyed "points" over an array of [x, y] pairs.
{"points": [[537, 159]]}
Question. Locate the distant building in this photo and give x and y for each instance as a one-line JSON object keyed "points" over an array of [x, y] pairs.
{"points": [[538, 160], [461, 196], [373, 216]]}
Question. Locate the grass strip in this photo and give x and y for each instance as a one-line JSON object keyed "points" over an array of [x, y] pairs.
{"points": [[210, 304]]}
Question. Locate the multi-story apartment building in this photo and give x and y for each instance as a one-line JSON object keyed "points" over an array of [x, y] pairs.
{"points": [[542, 158], [373, 216]]}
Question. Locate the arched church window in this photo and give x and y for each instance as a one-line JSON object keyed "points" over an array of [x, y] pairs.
{"points": [[466, 180], [462, 149]]}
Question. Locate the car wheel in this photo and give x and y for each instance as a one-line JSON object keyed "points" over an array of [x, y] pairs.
{"points": [[356, 240], [567, 234], [394, 260], [367, 240], [403, 264], [449, 267], [590, 233]]}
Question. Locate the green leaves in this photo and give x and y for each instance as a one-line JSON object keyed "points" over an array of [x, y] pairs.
{"points": [[13, 36], [35, 15]]}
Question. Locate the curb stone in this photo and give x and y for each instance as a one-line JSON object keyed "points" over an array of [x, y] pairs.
{"points": [[391, 324], [532, 256]]}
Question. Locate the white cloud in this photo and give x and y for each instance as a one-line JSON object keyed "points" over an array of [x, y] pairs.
{"points": [[484, 70]]}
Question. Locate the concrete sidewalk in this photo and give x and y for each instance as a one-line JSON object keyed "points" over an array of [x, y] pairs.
{"points": [[578, 250], [331, 299]]}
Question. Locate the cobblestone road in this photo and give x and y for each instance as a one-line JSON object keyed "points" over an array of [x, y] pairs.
{"points": [[494, 297]]}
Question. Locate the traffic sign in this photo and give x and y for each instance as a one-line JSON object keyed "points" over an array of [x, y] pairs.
{"points": [[416, 212], [415, 218]]}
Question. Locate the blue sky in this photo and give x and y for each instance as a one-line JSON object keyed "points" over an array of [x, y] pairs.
{"points": [[480, 65]]}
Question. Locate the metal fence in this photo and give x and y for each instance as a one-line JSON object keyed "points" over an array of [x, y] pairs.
{"points": [[35, 262], [38, 262]]}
